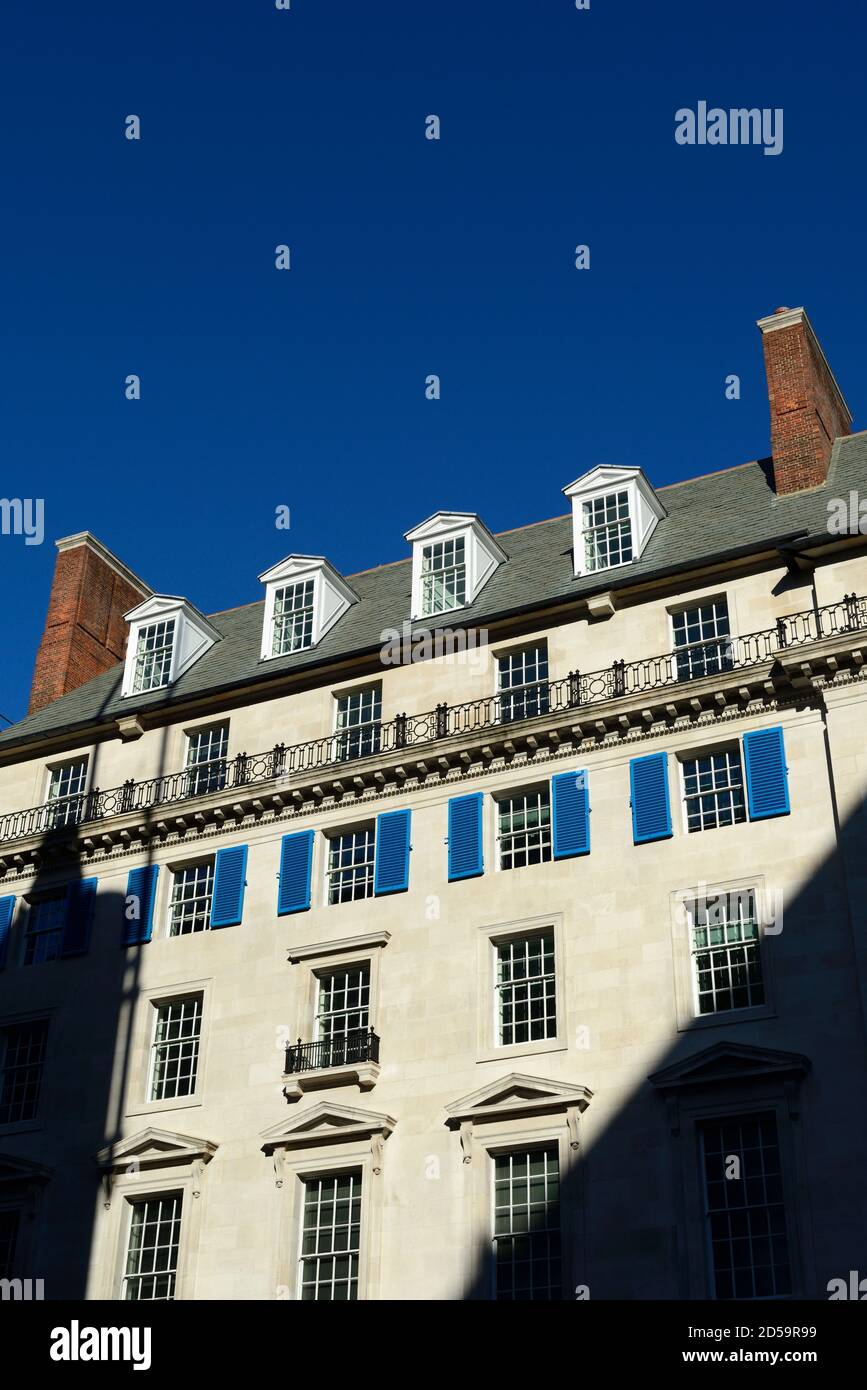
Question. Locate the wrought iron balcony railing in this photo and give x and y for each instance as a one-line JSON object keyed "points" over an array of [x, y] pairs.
{"points": [[345, 1049], [679, 668]]}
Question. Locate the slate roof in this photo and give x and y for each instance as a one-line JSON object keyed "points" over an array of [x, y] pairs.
{"points": [[707, 517]]}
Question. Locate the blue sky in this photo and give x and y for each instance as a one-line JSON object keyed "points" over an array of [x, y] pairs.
{"points": [[306, 388]]}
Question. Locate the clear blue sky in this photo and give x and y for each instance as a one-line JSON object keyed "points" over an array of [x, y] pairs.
{"points": [[306, 388]]}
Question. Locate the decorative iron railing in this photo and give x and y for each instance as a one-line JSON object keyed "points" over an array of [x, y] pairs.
{"points": [[579, 689], [357, 1045]]}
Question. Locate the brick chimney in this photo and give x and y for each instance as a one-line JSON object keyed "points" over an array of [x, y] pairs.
{"points": [[808, 411], [84, 629]]}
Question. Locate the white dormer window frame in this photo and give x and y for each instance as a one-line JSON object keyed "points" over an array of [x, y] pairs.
{"points": [[455, 554], [614, 513], [304, 598], [167, 635]]}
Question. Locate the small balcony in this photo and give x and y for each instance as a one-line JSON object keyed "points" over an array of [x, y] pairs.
{"points": [[348, 1059]]}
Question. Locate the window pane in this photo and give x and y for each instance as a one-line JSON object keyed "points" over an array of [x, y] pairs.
{"points": [[66, 793], [206, 759], [607, 531], [152, 1253], [43, 933], [293, 618], [22, 1056], [443, 576], [350, 866], [192, 892], [153, 660], [727, 962], [331, 1238], [525, 988], [701, 639], [177, 1032], [526, 1234], [744, 1215], [524, 829], [359, 716], [714, 791], [523, 683]]}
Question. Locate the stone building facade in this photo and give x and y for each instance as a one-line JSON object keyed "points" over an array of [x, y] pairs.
{"points": [[485, 925]]}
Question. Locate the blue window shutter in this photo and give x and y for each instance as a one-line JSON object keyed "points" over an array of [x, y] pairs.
{"points": [[296, 860], [466, 840], [7, 909], [80, 902], [391, 871], [648, 784], [570, 802], [141, 885], [767, 774], [227, 905]]}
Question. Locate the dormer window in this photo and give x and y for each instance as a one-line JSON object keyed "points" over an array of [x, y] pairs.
{"points": [[443, 576], [614, 514], [293, 618], [304, 598], [153, 656], [453, 557], [166, 636], [607, 531]]}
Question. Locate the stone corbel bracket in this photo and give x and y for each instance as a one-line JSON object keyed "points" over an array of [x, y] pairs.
{"points": [[326, 1123], [152, 1149], [514, 1096]]}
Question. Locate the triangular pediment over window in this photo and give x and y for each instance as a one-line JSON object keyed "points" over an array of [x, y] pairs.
{"points": [[21, 1171], [325, 1123], [728, 1062], [517, 1094], [155, 1148]]}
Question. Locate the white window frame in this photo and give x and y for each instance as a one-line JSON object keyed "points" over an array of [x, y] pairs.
{"points": [[645, 512], [510, 794], [510, 1151], [689, 607], [332, 1176], [332, 597], [488, 1046], [190, 735], [605, 496], [504, 693], [158, 1005], [686, 995], [135, 1186], [340, 832], [482, 556], [691, 755], [136, 1201], [289, 613], [165, 642], [458, 571], [193, 636], [328, 958], [321, 1160], [174, 871], [341, 735], [55, 802], [148, 1001]]}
